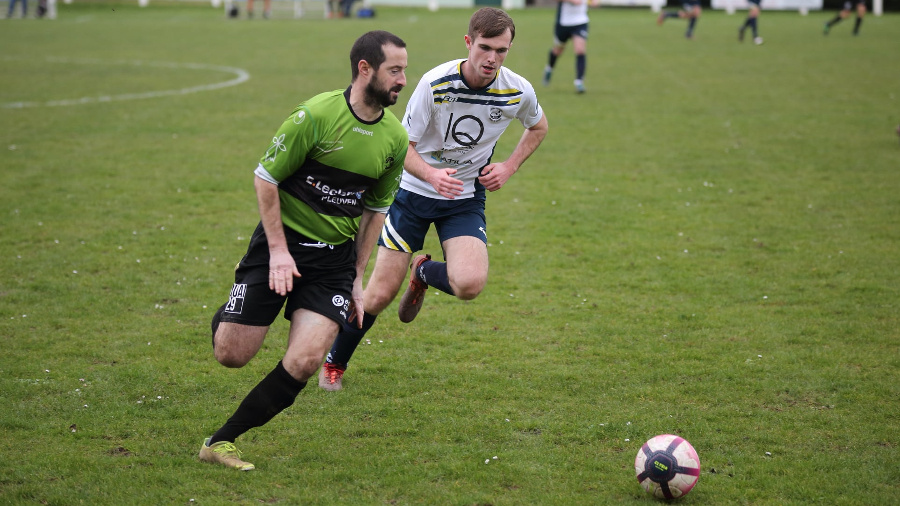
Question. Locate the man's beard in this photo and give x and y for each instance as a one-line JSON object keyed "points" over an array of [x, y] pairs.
{"points": [[380, 97]]}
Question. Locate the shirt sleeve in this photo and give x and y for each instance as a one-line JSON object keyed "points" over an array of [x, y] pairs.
{"points": [[419, 110], [531, 112], [290, 146]]}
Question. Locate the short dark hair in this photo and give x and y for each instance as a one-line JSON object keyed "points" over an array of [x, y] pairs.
{"points": [[370, 47], [489, 22]]}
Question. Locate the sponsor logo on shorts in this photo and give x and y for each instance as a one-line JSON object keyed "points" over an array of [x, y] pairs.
{"points": [[236, 299], [338, 300]]}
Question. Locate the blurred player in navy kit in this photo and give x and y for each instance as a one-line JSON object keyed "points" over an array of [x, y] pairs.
{"points": [[571, 23], [690, 10], [750, 23], [845, 12]]}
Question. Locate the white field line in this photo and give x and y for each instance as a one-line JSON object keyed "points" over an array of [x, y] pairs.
{"points": [[241, 76]]}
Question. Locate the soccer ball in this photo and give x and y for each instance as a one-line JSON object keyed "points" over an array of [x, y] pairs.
{"points": [[667, 466]]}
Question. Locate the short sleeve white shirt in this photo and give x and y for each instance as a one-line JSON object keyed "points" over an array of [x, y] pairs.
{"points": [[572, 15], [455, 126]]}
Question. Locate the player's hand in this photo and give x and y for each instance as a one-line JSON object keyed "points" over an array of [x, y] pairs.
{"points": [[445, 184], [495, 175], [282, 271], [356, 304]]}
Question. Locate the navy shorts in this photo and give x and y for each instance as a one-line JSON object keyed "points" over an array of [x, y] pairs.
{"points": [[325, 286], [755, 2], [562, 34], [689, 5], [411, 214]]}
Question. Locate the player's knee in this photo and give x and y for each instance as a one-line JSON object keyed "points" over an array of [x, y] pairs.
{"points": [[377, 300], [303, 367], [230, 358], [468, 289]]}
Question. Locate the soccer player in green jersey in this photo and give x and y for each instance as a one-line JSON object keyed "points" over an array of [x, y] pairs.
{"points": [[323, 187]]}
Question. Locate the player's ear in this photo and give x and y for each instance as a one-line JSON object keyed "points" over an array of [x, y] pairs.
{"points": [[364, 68]]}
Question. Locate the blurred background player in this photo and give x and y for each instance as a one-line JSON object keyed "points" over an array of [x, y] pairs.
{"points": [[750, 22], [690, 10], [454, 119], [12, 6], [571, 23], [845, 12], [267, 9]]}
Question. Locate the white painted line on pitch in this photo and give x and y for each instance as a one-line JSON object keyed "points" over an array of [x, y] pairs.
{"points": [[241, 76]]}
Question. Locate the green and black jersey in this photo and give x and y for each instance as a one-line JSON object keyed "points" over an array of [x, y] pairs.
{"points": [[329, 165]]}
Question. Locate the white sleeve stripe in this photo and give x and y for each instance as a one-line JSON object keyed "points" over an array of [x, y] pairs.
{"points": [[263, 174]]}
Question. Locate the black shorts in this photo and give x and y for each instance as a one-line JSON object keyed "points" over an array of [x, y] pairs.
{"points": [[325, 286], [562, 34]]}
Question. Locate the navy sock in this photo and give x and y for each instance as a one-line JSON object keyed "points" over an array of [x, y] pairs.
{"points": [[671, 14], [691, 23], [435, 274], [348, 339], [552, 60], [271, 396], [580, 65], [753, 26]]}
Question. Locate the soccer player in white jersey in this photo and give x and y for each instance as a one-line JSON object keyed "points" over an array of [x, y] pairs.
{"points": [[571, 23], [454, 118]]}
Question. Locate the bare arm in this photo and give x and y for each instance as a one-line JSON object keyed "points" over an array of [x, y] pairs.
{"points": [[282, 268], [441, 180], [495, 175], [369, 229]]}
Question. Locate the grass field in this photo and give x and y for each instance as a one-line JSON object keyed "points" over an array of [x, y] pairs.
{"points": [[706, 244]]}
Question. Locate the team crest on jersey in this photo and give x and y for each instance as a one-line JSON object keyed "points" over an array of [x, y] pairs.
{"points": [[388, 162], [300, 117], [496, 115], [236, 299]]}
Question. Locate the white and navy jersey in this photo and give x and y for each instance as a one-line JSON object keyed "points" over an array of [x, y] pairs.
{"points": [[568, 14], [456, 126]]}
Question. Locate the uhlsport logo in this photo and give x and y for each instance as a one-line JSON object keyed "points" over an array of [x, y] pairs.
{"points": [[236, 300]]}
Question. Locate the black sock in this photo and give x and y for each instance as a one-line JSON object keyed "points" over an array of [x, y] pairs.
{"points": [[837, 19], [216, 320], [552, 60], [753, 26], [347, 341], [271, 396], [690, 30], [856, 26], [435, 274]]}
